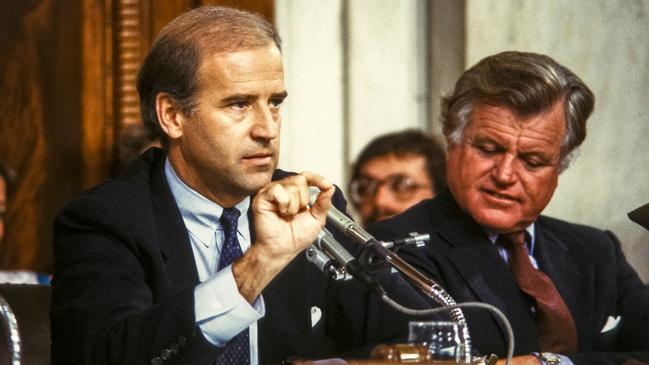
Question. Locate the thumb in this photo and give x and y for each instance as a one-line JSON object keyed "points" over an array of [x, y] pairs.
{"points": [[322, 203]]}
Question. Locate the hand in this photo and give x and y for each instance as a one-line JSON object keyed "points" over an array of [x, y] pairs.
{"points": [[521, 360], [284, 223], [284, 226]]}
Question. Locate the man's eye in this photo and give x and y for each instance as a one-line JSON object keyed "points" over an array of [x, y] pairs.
{"points": [[533, 162], [487, 148], [239, 105], [276, 102]]}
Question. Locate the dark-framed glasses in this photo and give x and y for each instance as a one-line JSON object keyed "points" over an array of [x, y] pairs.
{"points": [[401, 186]]}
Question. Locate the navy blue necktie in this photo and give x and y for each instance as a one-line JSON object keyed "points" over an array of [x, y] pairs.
{"points": [[237, 350]]}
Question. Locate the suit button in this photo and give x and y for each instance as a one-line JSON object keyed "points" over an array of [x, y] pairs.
{"points": [[175, 348], [165, 354], [156, 361]]}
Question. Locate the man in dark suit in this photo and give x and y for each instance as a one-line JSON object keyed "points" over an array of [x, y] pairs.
{"points": [[512, 125], [193, 256]]}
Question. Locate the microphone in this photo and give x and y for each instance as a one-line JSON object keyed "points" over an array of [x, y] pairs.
{"points": [[335, 250], [345, 224]]}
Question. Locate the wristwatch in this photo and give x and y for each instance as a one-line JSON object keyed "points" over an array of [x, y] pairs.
{"points": [[548, 358]]}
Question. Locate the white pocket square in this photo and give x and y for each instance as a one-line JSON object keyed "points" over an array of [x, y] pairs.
{"points": [[611, 323], [316, 314]]}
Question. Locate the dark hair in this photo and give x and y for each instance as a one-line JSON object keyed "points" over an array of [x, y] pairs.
{"points": [[172, 64], [527, 84], [407, 142]]}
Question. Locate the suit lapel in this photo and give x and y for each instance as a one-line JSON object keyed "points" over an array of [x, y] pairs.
{"points": [[571, 279], [485, 274], [172, 234], [475, 258]]}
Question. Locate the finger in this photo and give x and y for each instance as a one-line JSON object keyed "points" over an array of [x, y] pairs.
{"points": [[297, 188], [322, 203], [278, 195], [316, 180], [293, 206], [302, 183]]}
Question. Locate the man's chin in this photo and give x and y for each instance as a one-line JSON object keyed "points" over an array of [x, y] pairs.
{"points": [[501, 223], [256, 181]]}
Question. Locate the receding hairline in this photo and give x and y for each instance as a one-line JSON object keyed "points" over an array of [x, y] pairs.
{"points": [[220, 29]]}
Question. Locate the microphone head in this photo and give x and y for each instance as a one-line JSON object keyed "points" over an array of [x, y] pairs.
{"points": [[313, 193], [334, 216]]}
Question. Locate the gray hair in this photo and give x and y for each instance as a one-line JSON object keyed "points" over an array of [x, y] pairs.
{"points": [[527, 84]]}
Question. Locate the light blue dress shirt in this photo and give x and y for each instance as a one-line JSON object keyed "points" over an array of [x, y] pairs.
{"points": [[221, 311], [530, 246]]}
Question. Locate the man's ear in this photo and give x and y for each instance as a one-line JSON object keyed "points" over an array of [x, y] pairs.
{"points": [[170, 116]]}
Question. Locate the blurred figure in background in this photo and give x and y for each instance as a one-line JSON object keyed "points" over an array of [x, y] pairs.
{"points": [[394, 172], [13, 276]]}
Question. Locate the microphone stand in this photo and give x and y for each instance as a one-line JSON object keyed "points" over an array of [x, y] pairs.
{"points": [[10, 325], [430, 288]]}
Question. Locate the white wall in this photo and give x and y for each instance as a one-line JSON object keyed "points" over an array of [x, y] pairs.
{"points": [[606, 43], [312, 130], [331, 114]]}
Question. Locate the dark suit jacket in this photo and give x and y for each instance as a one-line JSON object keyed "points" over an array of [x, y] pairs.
{"points": [[586, 265], [123, 288]]}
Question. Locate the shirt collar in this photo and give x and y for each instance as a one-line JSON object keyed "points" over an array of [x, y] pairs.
{"points": [[530, 230], [201, 215]]}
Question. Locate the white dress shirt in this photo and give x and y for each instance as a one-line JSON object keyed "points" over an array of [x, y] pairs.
{"points": [[221, 311]]}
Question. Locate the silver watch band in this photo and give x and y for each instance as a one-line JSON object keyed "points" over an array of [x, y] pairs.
{"points": [[548, 358]]}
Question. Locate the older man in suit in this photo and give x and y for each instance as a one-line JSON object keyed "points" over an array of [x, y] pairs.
{"points": [[192, 257], [512, 125]]}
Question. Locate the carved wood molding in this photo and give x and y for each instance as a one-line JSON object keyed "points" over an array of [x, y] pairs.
{"points": [[97, 122], [132, 39]]}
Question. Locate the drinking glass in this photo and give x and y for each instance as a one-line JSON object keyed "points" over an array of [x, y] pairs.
{"points": [[443, 339]]}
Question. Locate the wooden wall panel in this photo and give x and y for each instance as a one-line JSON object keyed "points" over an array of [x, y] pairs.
{"points": [[96, 92], [22, 144]]}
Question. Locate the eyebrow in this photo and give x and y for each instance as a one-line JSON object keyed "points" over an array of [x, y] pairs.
{"points": [[281, 95], [248, 97]]}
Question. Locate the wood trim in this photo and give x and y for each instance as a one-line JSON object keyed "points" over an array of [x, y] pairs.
{"points": [[97, 125], [131, 40]]}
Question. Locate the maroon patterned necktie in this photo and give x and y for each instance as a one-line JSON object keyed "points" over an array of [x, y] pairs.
{"points": [[554, 323], [237, 350]]}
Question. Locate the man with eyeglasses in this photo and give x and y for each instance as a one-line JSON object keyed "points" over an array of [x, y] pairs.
{"points": [[394, 172]]}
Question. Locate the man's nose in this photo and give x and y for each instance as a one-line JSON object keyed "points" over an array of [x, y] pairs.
{"points": [[384, 197], [266, 124], [503, 170]]}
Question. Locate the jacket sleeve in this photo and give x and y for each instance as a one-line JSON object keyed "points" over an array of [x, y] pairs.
{"points": [[111, 304]]}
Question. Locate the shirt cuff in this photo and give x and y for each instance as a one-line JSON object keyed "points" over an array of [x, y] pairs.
{"points": [[221, 311]]}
